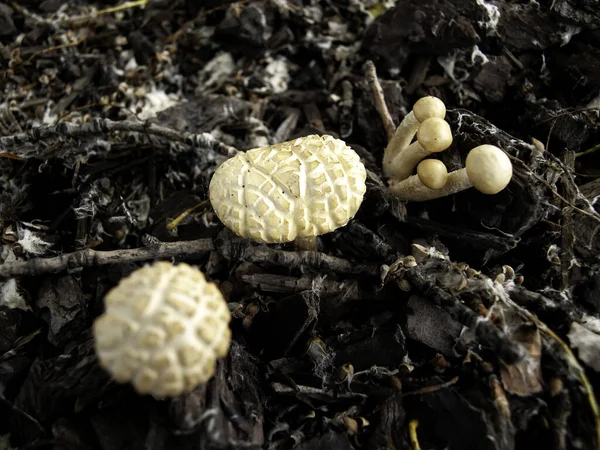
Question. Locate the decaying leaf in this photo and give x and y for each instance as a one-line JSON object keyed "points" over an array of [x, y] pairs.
{"points": [[587, 344], [525, 377]]}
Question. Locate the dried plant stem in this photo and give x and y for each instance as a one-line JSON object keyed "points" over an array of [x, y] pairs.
{"points": [[314, 260], [412, 432], [379, 99], [104, 126], [89, 257], [156, 249]]}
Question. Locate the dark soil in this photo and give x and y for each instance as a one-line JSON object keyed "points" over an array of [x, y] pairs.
{"points": [[112, 122]]}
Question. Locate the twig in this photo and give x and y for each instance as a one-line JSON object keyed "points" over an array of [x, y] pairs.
{"points": [[284, 284], [314, 260], [104, 126], [89, 258], [173, 224], [346, 105], [588, 151], [430, 389], [567, 232], [318, 394], [88, 17], [379, 99]]}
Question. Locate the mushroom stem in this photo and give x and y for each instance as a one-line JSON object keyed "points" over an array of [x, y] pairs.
{"points": [[400, 140], [414, 190], [431, 175], [403, 165]]}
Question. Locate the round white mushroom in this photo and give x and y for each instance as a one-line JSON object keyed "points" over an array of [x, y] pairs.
{"points": [[163, 330], [487, 168], [425, 108], [432, 174], [297, 189]]}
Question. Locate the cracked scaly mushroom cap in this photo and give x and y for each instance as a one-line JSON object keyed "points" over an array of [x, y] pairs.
{"points": [[296, 189], [163, 330]]}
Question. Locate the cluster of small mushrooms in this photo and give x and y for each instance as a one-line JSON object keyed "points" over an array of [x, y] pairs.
{"points": [[487, 168], [165, 326]]}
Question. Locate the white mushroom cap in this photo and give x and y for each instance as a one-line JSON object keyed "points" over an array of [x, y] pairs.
{"points": [[489, 169], [432, 173], [434, 135], [427, 107], [163, 330], [301, 188]]}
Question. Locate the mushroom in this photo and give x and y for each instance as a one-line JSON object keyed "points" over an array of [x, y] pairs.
{"points": [[487, 168], [433, 136], [163, 330], [425, 108], [297, 189], [431, 175]]}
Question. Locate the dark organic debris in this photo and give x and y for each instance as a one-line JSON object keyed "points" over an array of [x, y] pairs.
{"points": [[470, 321]]}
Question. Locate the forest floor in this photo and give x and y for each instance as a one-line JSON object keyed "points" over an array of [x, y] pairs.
{"points": [[113, 119]]}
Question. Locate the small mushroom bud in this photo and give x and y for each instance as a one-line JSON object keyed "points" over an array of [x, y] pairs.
{"points": [[487, 168], [423, 109], [433, 136], [431, 174]]}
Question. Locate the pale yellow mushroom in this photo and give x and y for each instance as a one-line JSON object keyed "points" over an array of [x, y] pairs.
{"points": [[423, 109], [163, 330], [487, 168], [431, 175], [293, 190], [433, 136]]}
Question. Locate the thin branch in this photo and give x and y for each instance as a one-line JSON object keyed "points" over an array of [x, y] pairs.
{"points": [[89, 258], [379, 99], [588, 151], [281, 258], [104, 126]]}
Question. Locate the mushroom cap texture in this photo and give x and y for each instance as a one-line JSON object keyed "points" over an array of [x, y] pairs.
{"points": [[432, 173], [300, 188], [489, 169], [427, 107], [164, 328], [434, 135]]}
